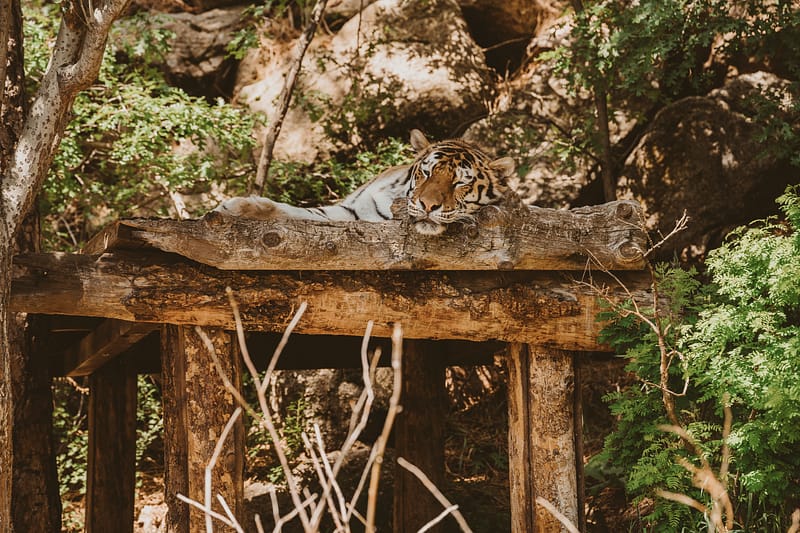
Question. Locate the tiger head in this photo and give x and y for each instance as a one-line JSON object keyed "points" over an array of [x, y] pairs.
{"points": [[450, 181]]}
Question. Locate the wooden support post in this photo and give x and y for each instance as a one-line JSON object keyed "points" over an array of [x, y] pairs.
{"points": [[196, 409], [419, 435], [541, 437], [111, 472]]}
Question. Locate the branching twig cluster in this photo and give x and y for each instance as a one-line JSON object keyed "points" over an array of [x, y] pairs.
{"points": [[309, 507]]}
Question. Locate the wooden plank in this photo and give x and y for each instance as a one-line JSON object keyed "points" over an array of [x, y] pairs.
{"points": [[520, 477], [536, 307], [109, 339], [509, 238], [197, 407], [111, 471], [419, 436], [542, 461]]}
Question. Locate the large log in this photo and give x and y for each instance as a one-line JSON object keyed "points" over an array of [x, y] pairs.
{"points": [[539, 308], [511, 238]]}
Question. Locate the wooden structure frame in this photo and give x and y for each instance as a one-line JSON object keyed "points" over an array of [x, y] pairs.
{"points": [[509, 280]]}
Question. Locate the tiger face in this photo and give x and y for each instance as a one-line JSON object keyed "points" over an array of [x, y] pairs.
{"points": [[450, 181]]}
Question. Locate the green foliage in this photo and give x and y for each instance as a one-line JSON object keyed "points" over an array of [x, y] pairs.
{"points": [[259, 443], [71, 432], [133, 139], [254, 15], [737, 335], [656, 51], [149, 419], [660, 49]]}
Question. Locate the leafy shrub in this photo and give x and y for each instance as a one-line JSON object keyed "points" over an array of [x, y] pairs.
{"points": [[132, 139], [738, 336]]}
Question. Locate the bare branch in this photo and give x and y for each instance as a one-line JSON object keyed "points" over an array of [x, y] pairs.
{"points": [[265, 160], [380, 443], [425, 480], [557, 514]]}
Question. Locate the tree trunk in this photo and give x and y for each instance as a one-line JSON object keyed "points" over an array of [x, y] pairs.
{"points": [[25, 158]]}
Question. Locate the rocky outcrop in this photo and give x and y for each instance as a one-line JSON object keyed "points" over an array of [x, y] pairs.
{"points": [[198, 60], [503, 28], [706, 155], [396, 66]]}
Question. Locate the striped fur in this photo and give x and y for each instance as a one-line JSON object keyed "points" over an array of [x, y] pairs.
{"points": [[447, 182]]}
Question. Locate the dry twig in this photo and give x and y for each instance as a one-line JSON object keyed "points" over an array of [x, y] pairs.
{"points": [[265, 160]]}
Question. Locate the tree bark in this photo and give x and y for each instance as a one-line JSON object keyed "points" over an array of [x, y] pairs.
{"points": [[76, 58], [419, 436], [531, 307], [111, 470], [514, 237], [196, 408], [541, 438]]}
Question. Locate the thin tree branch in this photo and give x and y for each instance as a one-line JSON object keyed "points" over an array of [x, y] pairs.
{"points": [[425, 480], [274, 129], [601, 107]]}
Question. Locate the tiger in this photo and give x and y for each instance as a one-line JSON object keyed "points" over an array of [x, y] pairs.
{"points": [[448, 181]]}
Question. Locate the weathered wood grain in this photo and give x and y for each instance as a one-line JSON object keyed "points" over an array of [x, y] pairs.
{"points": [[111, 468], [541, 308], [506, 238], [541, 437], [101, 345]]}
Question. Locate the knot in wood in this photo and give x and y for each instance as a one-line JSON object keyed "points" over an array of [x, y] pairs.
{"points": [[214, 218], [271, 239], [625, 211], [629, 252], [505, 265], [331, 248]]}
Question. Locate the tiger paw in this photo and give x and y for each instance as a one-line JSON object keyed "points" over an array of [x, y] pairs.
{"points": [[253, 207]]}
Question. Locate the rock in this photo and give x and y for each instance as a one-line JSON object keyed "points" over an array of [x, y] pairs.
{"points": [[504, 27], [397, 66], [336, 9], [327, 398], [151, 519], [197, 60], [704, 155]]}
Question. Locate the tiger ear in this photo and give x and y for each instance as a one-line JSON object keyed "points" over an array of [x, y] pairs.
{"points": [[418, 140], [504, 166]]}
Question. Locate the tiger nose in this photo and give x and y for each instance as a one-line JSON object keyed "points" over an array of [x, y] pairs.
{"points": [[429, 207]]}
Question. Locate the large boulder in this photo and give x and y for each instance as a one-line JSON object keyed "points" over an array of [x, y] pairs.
{"points": [[707, 156], [504, 27], [198, 60], [396, 66]]}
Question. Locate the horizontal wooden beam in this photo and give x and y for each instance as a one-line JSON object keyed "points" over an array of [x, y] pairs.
{"points": [[508, 238], [108, 340], [540, 308]]}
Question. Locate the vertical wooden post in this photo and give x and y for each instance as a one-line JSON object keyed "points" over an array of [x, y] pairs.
{"points": [[196, 409], [419, 435], [541, 437], [111, 471], [173, 397]]}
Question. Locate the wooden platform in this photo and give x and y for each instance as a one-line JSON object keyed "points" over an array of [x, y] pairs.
{"points": [[516, 283]]}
